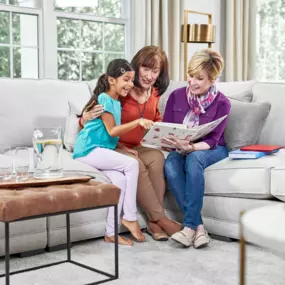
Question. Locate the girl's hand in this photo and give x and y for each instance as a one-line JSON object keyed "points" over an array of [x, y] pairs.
{"points": [[96, 112], [145, 123], [179, 144]]}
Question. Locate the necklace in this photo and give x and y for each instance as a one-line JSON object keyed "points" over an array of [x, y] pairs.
{"points": [[145, 103]]}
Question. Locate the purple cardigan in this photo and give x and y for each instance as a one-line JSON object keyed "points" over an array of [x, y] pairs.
{"points": [[177, 107]]}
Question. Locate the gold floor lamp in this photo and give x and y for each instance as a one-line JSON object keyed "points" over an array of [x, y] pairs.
{"points": [[196, 33]]}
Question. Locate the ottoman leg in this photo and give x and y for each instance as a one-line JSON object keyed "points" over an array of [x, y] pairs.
{"points": [[68, 237], [7, 253], [116, 243]]}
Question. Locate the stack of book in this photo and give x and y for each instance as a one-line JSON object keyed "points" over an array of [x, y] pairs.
{"points": [[253, 151]]}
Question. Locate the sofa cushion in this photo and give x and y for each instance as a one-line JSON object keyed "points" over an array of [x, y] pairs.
{"points": [[245, 96], [27, 104], [273, 130], [243, 178], [245, 123], [164, 97], [235, 87], [72, 127]]}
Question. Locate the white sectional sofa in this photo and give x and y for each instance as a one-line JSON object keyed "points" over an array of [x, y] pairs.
{"points": [[231, 186]]}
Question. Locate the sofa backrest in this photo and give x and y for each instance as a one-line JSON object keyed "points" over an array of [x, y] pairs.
{"points": [[273, 131], [27, 104]]}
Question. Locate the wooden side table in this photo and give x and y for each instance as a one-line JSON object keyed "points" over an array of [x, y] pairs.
{"points": [[264, 227]]}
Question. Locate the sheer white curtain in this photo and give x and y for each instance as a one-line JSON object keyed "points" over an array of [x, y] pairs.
{"points": [[158, 22], [240, 40]]}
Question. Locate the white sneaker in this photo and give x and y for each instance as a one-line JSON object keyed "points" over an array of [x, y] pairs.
{"points": [[184, 237], [201, 239]]}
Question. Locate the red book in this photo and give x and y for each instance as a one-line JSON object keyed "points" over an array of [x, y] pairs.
{"points": [[261, 147]]}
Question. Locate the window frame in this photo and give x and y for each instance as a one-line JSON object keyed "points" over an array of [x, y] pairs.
{"points": [[26, 11], [47, 32]]}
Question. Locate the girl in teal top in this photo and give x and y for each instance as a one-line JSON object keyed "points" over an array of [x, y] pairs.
{"points": [[95, 145]]}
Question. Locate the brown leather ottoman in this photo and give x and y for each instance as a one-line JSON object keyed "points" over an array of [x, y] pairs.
{"points": [[37, 202]]}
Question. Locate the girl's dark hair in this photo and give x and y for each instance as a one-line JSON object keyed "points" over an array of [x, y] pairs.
{"points": [[150, 57], [115, 69]]}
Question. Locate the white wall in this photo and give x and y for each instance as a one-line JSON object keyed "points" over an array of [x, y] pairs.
{"points": [[217, 9]]}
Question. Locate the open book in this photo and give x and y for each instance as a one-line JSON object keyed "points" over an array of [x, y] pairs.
{"points": [[159, 130]]}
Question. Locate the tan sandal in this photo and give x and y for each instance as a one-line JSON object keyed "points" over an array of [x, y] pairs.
{"points": [[157, 236]]}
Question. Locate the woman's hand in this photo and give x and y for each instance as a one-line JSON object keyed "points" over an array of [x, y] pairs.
{"points": [[168, 149], [183, 145], [132, 151], [145, 123], [96, 112]]}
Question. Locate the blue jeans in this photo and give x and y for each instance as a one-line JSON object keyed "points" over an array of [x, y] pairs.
{"points": [[185, 178]]}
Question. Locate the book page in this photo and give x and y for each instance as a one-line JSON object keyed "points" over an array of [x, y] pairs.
{"points": [[160, 130]]}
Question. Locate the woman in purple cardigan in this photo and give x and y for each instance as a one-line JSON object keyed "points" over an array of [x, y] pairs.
{"points": [[198, 103]]}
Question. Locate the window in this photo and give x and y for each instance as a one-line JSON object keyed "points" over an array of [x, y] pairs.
{"points": [[19, 48], [85, 45], [40, 38], [270, 65], [104, 8]]}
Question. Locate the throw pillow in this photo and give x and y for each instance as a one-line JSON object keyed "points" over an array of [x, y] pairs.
{"points": [[92, 84], [72, 127], [245, 123]]}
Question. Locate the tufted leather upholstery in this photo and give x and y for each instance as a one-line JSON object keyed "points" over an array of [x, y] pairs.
{"points": [[33, 201]]}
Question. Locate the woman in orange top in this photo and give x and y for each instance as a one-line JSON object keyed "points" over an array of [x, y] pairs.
{"points": [[151, 80]]}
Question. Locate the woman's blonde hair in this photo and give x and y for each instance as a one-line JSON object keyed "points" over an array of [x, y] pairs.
{"points": [[209, 60]]}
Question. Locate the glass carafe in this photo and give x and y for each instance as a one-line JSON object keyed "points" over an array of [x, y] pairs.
{"points": [[47, 144]]}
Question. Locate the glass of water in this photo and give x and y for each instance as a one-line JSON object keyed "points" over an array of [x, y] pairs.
{"points": [[6, 163], [47, 143], [21, 163]]}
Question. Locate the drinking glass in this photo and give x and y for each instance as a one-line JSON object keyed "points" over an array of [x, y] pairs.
{"points": [[21, 163], [48, 145], [6, 163]]}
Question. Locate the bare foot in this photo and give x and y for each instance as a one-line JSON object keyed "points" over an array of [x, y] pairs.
{"points": [[134, 228], [121, 240], [169, 226]]}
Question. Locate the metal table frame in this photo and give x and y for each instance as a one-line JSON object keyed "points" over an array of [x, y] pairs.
{"points": [[67, 213]]}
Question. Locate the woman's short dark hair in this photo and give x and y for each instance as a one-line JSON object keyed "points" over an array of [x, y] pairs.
{"points": [[150, 57]]}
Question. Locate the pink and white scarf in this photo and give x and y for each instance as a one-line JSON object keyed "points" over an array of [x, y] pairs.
{"points": [[198, 105]]}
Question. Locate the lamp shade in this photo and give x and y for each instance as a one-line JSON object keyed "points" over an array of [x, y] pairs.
{"points": [[199, 33]]}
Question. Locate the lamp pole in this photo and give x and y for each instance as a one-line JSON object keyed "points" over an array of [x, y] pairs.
{"points": [[186, 32]]}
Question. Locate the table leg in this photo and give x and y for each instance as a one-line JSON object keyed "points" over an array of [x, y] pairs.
{"points": [[242, 254], [116, 243], [68, 237], [7, 253]]}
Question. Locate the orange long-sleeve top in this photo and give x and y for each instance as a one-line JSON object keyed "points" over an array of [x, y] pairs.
{"points": [[132, 110]]}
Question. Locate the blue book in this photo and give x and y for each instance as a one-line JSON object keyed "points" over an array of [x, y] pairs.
{"points": [[240, 154]]}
